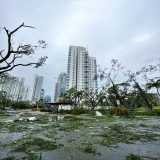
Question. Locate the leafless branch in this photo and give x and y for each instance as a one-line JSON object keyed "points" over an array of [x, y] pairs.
{"points": [[21, 50]]}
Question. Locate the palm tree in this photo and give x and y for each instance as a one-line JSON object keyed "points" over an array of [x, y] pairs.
{"points": [[154, 84]]}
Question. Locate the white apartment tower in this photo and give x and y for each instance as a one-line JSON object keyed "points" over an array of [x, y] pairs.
{"points": [[93, 84], [61, 86], [79, 71], [37, 86]]}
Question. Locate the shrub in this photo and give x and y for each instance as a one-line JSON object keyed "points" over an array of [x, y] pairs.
{"points": [[119, 111], [74, 111], [133, 157], [22, 105], [143, 111], [77, 111], [157, 110]]}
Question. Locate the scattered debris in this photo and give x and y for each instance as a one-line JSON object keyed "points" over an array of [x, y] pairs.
{"points": [[31, 118], [98, 113]]}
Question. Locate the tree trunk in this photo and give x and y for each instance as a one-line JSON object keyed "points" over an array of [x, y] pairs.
{"points": [[143, 94]]}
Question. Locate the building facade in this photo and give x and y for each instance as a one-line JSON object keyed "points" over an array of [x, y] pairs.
{"points": [[13, 86], [37, 86], [93, 83], [61, 86], [47, 99], [81, 69]]}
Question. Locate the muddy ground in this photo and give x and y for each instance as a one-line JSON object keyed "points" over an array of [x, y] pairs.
{"points": [[82, 137]]}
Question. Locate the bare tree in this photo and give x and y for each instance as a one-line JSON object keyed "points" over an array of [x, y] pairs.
{"points": [[93, 99], [110, 75], [73, 96], [9, 58], [133, 77]]}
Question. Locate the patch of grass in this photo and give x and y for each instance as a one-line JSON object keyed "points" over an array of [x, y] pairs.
{"points": [[36, 144], [87, 147], [33, 157], [70, 126], [15, 126], [143, 125], [2, 116], [143, 111], [72, 118], [120, 134], [133, 157], [51, 134], [156, 109], [42, 119]]}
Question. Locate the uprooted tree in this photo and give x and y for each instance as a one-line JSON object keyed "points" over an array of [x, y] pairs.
{"points": [[10, 58]]}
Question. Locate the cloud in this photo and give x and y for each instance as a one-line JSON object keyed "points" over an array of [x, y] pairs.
{"points": [[120, 29], [142, 38]]}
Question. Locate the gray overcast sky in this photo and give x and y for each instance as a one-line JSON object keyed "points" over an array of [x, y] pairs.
{"points": [[127, 30]]}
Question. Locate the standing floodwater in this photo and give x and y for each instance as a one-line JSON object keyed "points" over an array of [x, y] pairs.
{"points": [[48, 136]]}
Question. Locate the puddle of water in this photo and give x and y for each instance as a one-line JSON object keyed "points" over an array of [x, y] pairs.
{"points": [[73, 133]]}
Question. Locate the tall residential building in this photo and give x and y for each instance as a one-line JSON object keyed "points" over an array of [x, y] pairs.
{"points": [[13, 86], [37, 86], [42, 95], [93, 84], [81, 69], [56, 92], [26, 94], [61, 86]]}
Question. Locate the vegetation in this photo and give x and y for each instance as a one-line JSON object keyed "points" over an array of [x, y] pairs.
{"points": [[36, 144], [87, 147], [124, 92], [133, 157], [119, 111], [74, 111]]}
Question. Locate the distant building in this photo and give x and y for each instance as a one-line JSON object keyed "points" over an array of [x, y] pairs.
{"points": [[61, 86], [81, 69], [56, 92], [47, 99], [42, 95], [13, 86], [26, 94], [37, 86], [93, 84]]}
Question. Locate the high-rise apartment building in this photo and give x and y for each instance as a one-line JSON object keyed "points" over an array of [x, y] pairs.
{"points": [[61, 86], [13, 86], [26, 94], [37, 86], [81, 69], [93, 84]]}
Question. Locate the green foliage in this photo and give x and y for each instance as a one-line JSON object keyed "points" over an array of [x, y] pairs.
{"points": [[116, 134], [4, 101], [75, 111], [133, 157], [87, 147], [79, 110], [119, 111], [72, 96], [2, 116], [71, 125], [157, 110], [144, 111], [21, 105], [36, 144]]}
